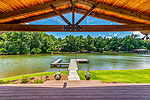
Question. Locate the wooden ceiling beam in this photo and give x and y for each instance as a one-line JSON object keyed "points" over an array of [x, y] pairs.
{"points": [[106, 17], [39, 17], [85, 28], [33, 9], [118, 11], [68, 10]]}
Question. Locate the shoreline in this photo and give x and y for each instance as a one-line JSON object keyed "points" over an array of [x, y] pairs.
{"points": [[80, 53]]}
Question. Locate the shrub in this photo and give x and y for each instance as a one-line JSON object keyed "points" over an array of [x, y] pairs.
{"points": [[25, 79], [37, 81], [2, 82], [101, 51]]}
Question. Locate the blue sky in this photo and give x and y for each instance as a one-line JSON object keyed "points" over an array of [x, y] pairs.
{"points": [[87, 21]]}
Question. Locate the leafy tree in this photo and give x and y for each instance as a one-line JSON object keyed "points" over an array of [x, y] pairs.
{"points": [[39, 42]]}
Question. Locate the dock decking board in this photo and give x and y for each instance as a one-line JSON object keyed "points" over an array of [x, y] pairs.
{"points": [[61, 64], [57, 61], [73, 65], [73, 75]]}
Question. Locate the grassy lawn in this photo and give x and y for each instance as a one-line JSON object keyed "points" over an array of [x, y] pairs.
{"points": [[129, 76], [33, 75]]}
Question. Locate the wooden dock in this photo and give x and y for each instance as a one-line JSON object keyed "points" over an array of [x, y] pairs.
{"points": [[82, 60], [61, 64], [73, 67], [57, 62], [73, 63]]}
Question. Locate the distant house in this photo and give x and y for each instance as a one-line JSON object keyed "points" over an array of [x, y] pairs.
{"points": [[84, 51], [141, 51]]}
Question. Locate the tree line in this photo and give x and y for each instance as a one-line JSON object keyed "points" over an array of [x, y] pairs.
{"points": [[39, 42]]}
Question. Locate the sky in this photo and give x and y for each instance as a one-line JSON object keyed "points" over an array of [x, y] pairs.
{"points": [[87, 21]]}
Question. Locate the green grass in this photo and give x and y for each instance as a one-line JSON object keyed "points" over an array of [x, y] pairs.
{"points": [[128, 76], [32, 75]]}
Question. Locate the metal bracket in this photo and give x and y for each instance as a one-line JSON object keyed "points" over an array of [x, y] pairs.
{"points": [[72, 28], [73, 5], [92, 8], [52, 6]]}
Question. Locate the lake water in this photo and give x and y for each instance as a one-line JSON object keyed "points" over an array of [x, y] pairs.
{"points": [[12, 65]]}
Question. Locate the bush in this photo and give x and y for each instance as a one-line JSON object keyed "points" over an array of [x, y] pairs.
{"points": [[25, 79], [2, 82], [33, 51], [37, 81], [101, 51]]}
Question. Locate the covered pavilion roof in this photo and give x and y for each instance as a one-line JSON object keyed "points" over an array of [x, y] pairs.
{"points": [[121, 11]]}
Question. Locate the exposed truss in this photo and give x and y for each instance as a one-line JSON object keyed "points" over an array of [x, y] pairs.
{"points": [[75, 27], [21, 14], [85, 28]]}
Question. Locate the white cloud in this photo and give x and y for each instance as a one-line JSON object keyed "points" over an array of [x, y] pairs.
{"points": [[90, 21], [138, 33], [110, 33], [26, 23], [115, 34], [59, 20], [108, 37]]}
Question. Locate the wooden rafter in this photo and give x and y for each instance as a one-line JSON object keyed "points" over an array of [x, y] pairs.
{"points": [[86, 14], [115, 10], [33, 9], [60, 14], [106, 17], [85, 28], [68, 10], [59, 3], [39, 17]]}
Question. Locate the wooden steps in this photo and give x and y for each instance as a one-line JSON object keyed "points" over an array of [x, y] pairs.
{"points": [[76, 83]]}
